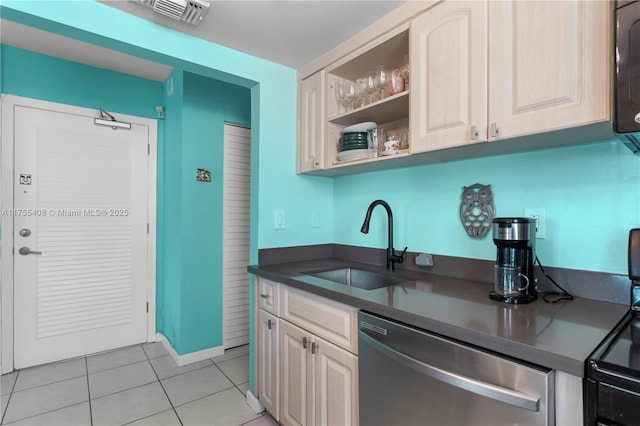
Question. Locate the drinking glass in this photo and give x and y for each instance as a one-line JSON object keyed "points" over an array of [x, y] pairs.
{"points": [[372, 87], [381, 78], [396, 82], [361, 91], [341, 95], [404, 70], [350, 94]]}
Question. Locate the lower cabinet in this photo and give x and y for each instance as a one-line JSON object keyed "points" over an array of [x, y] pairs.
{"points": [[268, 364], [319, 380], [302, 378]]}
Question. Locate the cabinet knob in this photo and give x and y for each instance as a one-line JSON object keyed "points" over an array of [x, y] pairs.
{"points": [[264, 296], [637, 118]]}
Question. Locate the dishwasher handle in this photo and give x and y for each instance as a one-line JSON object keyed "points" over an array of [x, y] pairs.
{"points": [[479, 387]]}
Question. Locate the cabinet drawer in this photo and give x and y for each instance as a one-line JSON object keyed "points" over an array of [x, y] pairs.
{"points": [[325, 318], [268, 295]]}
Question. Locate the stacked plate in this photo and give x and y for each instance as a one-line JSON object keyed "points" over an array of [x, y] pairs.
{"points": [[353, 154], [353, 140]]}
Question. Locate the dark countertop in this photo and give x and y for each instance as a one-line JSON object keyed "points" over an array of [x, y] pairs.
{"points": [[559, 336]]}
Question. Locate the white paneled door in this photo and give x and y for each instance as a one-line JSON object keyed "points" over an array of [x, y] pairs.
{"points": [[80, 236], [235, 237]]}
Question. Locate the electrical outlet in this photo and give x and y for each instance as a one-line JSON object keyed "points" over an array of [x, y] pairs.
{"points": [[539, 215], [278, 220]]}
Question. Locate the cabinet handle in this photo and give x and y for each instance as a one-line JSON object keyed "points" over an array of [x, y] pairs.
{"points": [[269, 324], [304, 343], [474, 132], [494, 130], [314, 348], [264, 296]]}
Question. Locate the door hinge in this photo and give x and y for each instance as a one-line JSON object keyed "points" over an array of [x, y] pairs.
{"points": [[147, 227], [148, 149], [147, 307]]}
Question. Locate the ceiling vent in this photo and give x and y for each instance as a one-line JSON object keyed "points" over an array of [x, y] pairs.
{"points": [[189, 11]]}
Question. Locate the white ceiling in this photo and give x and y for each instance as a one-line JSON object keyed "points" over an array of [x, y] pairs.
{"points": [[291, 32]]}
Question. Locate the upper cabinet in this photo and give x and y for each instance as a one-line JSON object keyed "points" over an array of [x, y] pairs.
{"points": [[549, 65], [486, 78], [449, 76], [375, 103], [311, 123]]}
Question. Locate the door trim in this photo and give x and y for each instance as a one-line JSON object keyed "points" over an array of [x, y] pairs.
{"points": [[7, 108]]}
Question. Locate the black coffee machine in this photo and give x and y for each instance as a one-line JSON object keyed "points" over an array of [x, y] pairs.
{"points": [[515, 238]]}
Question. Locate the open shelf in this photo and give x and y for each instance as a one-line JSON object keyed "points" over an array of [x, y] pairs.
{"points": [[383, 111]]}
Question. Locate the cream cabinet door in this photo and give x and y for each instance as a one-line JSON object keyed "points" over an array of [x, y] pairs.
{"points": [[268, 366], [336, 384], [311, 123], [548, 65], [449, 76], [296, 376]]}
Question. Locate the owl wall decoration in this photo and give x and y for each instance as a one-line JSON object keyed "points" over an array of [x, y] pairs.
{"points": [[477, 209]]}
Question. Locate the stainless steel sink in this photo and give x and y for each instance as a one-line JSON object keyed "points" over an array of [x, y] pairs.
{"points": [[359, 278]]}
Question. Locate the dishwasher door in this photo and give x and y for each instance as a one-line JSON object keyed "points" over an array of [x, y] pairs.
{"points": [[410, 377]]}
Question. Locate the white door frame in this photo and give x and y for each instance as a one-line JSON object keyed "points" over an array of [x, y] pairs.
{"points": [[7, 108]]}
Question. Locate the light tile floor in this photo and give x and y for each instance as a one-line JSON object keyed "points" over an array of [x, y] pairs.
{"points": [[137, 385]]}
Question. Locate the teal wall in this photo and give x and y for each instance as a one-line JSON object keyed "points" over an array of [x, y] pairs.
{"points": [[591, 194], [33, 75], [169, 239], [208, 104]]}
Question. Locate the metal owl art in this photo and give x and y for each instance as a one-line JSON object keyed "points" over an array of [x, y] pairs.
{"points": [[477, 209]]}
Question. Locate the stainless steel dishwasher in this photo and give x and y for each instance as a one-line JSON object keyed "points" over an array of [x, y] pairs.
{"points": [[410, 377]]}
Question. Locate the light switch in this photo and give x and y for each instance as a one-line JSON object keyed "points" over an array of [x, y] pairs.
{"points": [[278, 219]]}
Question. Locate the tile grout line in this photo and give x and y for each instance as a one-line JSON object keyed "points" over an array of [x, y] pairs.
{"points": [[86, 368], [161, 386], [229, 378], [10, 395], [179, 374]]}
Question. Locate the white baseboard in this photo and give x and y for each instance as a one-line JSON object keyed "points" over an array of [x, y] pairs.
{"points": [[254, 403], [192, 357]]}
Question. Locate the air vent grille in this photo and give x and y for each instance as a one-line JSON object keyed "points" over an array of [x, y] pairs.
{"points": [[171, 8], [189, 11]]}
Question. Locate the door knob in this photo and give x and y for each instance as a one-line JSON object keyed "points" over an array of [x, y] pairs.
{"points": [[26, 250]]}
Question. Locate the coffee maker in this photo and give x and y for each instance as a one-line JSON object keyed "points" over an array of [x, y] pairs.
{"points": [[515, 239]]}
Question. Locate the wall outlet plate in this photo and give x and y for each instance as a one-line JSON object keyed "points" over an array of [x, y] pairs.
{"points": [[539, 215], [278, 220]]}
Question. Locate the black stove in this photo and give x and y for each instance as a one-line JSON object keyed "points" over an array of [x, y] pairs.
{"points": [[612, 392], [613, 377]]}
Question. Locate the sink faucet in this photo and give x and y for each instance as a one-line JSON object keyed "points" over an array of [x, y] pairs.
{"points": [[392, 257]]}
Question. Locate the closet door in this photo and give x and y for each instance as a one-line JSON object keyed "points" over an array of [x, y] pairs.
{"points": [[235, 235]]}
